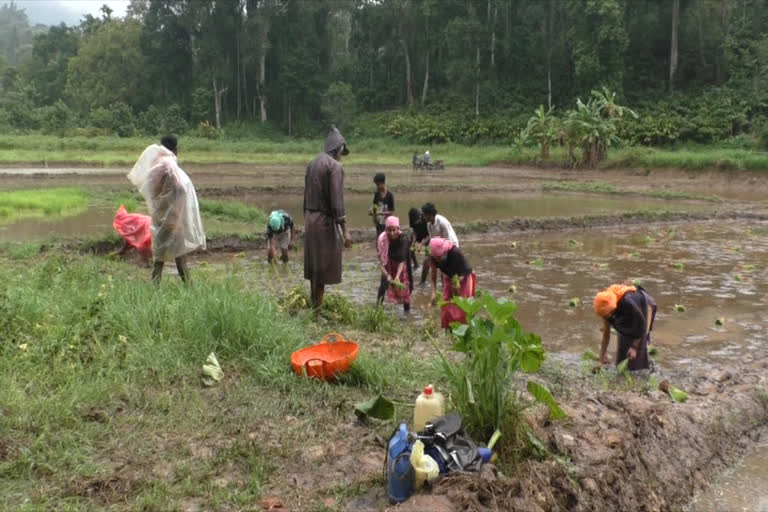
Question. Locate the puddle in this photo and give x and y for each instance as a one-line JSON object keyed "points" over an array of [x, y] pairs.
{"points": [[92, 222], [743, 488]]}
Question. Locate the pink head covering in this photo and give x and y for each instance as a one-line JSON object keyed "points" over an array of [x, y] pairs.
{"points": [[438, 247], [383, 241]]}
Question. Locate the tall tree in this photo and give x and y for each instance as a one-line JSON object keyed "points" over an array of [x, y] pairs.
{"points": [[261, 14], [673, 45], [599, 39], [109, 67]]}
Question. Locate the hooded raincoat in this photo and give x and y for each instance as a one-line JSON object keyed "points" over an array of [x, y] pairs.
{"points": [[176, 225], [323, 211]]}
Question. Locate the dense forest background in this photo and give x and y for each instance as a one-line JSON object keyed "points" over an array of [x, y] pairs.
{"points": [[423, 70]]}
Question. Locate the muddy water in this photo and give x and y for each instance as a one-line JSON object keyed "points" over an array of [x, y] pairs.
{"points": [[461, 207], [98, 220], [713, 270], [743, 488], [93, 221]]}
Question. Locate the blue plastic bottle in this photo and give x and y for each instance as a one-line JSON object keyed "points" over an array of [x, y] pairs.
{"points": [[399, 470]]}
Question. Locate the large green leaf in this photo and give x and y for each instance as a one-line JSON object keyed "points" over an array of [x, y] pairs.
{"points": [[470, 305], [677, 394], [543, 396], [531, 359], [379, 407], [501, 311]]}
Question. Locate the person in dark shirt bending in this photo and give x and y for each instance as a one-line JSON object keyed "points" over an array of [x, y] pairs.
{"points": [[631, 311]]}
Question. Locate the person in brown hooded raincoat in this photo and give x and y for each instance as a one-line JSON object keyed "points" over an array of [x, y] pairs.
{"points": [[325, 223]]}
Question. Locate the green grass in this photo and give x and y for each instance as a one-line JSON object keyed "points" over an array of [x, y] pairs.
{"points": [[15, 204], [233, 210], [607, 188], [102, 406], [689, 157], [592, 187], [115, 151]]}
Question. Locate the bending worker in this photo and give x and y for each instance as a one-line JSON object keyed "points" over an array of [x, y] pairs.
{"points": [[281, 232], [631, 311], [136, 230]]}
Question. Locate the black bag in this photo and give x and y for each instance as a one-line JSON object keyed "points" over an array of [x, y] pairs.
{"points": [[445, 441]]}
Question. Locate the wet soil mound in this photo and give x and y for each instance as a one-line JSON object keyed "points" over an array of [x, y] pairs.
{"points": [[624, 451]]}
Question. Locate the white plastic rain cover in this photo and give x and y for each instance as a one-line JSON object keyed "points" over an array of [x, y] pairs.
{"points": [[172, 201]]}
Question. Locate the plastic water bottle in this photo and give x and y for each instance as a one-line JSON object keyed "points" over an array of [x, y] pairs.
{"points": [[399, 470], [429, 405]]}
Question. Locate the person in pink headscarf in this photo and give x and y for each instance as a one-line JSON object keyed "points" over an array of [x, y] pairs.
{"points": [[395, 258], [458, 279]]}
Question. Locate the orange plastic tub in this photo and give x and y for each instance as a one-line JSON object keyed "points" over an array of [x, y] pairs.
{"points": [[327, 359]]}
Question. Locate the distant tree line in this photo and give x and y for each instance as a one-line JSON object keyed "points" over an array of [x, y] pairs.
{"points": [[425, 70]]}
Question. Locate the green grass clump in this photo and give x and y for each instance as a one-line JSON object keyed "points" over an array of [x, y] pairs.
{"points": [[15, 204], [102, 404], [232, 210], [593, 187]]}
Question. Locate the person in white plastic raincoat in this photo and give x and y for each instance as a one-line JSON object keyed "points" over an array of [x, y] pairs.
{"points": [[176, 226]]}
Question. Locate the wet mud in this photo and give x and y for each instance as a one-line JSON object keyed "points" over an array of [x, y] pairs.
{"points": [[625, 451]]}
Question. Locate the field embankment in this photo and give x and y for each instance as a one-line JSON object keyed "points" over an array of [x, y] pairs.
{"points": [[623, 450]]}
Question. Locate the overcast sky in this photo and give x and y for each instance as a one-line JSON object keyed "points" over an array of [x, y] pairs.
{"points": [[53, 12]]}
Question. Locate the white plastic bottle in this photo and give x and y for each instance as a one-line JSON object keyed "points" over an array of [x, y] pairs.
{"points": [[429, 405]]}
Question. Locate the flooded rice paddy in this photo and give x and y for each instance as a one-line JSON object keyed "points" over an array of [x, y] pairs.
{"points": [[462, 207], [716, 270], [740, 489]]}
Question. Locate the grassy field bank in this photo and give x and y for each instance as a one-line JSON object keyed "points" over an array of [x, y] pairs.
{"points": [[40, 150], [16, 204], [102, 405]]}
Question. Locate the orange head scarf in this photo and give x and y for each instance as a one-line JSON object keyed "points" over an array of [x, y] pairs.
{"points": [[607, 300]]}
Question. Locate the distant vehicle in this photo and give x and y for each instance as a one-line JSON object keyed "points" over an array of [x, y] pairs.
{"points": [[420, 165]]}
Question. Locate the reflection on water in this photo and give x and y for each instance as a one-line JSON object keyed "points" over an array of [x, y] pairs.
{"points": [[92, 222], [743, 488]]}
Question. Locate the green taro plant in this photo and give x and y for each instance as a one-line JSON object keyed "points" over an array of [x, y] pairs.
{"points": [[493, 349]]}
